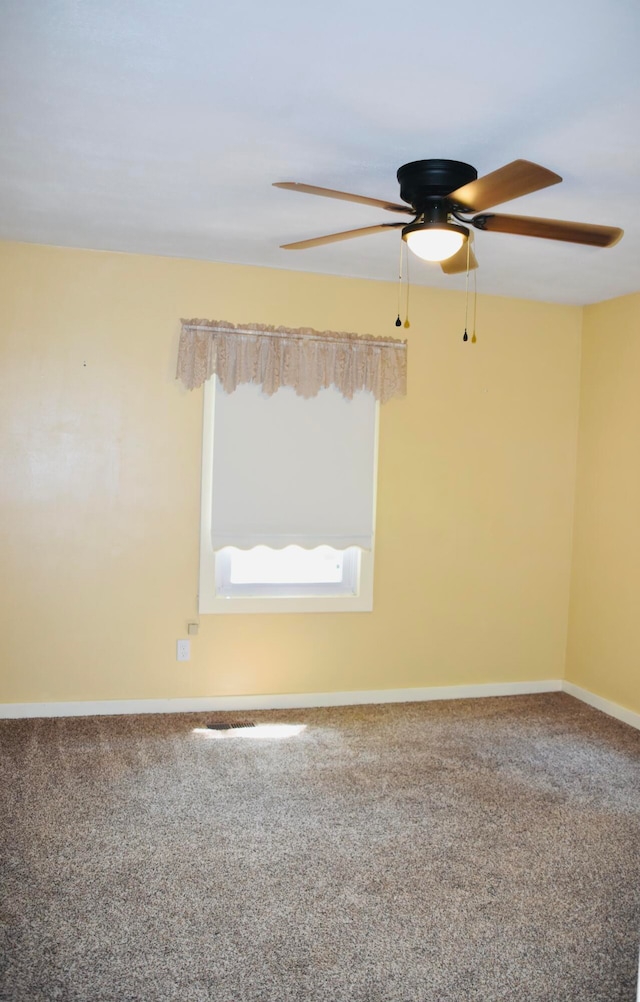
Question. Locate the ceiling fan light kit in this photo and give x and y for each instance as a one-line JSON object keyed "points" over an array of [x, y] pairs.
{"points": [[434, 241], [442, 194]]}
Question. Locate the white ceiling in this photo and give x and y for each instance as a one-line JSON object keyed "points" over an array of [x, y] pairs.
{"points": [[158, 126]]}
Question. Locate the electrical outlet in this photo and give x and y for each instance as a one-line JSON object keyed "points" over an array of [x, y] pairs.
{"points": [[183, 650]]}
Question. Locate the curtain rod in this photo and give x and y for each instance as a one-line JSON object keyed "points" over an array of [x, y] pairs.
{"points": [[345, 339]]}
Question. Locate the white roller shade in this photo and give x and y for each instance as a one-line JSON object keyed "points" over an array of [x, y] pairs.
{"points": [[292, 471]]}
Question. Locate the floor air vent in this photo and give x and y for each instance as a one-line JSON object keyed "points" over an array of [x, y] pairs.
{"points": [[229, 725]]}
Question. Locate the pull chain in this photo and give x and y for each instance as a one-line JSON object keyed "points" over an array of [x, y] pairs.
{"points": [[475, 306], [398, 320], [465, 336], [406, 315]]}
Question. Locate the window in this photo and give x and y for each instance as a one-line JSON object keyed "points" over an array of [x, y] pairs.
{"points": [[289, 573], [288, 501]]}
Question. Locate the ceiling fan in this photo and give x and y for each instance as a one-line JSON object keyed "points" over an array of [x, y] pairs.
{"points": [[446, 197]]}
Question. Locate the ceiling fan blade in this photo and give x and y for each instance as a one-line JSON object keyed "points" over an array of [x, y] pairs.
{"points": [[458, 262], [310, 189], [520, 177], [344, 235], [550, 229]]}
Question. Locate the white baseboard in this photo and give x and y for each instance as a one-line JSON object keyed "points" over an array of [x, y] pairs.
{"points": [[283, 701], [600, 703]]}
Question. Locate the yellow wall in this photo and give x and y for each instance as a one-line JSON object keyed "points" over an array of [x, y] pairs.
{"points": [[604, 635], [100, 492]]}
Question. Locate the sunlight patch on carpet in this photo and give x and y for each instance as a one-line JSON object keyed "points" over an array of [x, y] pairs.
{"points": [[260, 731]]}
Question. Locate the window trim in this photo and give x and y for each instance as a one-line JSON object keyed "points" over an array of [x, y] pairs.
{"points": [[209, 601]]}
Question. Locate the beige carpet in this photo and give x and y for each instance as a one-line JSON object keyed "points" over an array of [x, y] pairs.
{"points": [[439, 852]]}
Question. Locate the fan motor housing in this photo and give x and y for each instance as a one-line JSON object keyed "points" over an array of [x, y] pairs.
{"points": [[422, 180]]}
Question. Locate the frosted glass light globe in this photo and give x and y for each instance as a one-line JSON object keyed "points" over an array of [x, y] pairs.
{"points": [[434, 244]]}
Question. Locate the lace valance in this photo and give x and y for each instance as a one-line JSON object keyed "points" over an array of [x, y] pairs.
{"points": [[305, 359]]}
